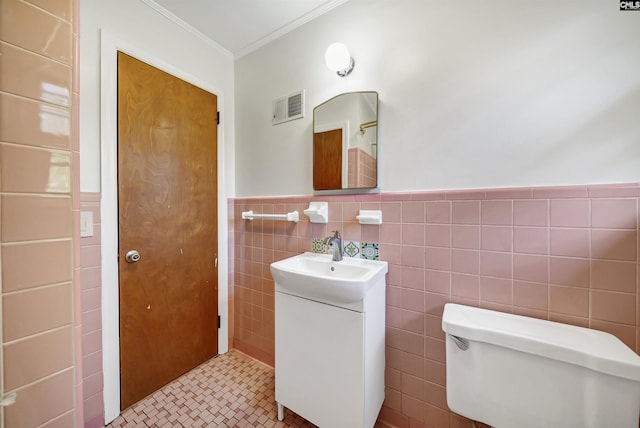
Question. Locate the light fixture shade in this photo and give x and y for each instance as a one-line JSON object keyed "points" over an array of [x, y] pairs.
{"points": [[338, 59]]}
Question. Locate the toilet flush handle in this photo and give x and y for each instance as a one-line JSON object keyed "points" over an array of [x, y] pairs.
{"points": [[460, 342]]}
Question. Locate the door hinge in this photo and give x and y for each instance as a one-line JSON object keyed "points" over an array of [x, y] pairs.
{"points": [[219, 321], [218, 118]]}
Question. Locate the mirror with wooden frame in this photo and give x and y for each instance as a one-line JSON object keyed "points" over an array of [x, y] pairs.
{"points": [[345, 144]]}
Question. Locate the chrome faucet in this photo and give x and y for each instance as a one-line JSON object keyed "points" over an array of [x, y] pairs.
{"points": [[335, 244]]}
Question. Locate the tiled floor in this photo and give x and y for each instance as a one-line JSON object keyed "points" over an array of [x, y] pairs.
{"points": [[231, 390]]}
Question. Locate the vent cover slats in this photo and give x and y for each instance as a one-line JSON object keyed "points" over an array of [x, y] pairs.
{"points": [[288, 108]]}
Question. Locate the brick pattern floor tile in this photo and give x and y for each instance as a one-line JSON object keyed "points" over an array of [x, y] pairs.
{"points": [[230, 390]]}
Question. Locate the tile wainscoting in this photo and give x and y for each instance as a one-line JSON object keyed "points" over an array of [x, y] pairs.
{"points": [[567, 254], [39, 198], [91, 316]]}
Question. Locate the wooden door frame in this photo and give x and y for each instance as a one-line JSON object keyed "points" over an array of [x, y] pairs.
{"points": [[109, 47]]}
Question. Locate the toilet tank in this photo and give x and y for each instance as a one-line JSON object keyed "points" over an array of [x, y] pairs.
{"points": [[511, 371]]}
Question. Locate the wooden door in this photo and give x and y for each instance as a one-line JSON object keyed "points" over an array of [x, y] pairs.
{"points": [[167, 196], [327, 160]]}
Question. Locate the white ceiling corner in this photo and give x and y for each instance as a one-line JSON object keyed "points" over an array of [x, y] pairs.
{"points": [[238, 27]]}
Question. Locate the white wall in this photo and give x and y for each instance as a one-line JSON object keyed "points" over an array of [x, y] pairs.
{"points": [[146, 30], [492, 93], [353, 109]]}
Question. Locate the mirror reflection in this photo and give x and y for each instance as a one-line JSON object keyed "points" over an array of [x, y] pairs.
{"points": [[345, 142]]}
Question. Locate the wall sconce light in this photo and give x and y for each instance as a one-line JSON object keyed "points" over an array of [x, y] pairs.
{"points": [[339, 59]]}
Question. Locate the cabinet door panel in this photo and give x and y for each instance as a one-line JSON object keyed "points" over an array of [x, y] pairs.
{"points": [[319, 361]]}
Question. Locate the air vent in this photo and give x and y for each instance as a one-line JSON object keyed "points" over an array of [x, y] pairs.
{"points": [[288, 108]]}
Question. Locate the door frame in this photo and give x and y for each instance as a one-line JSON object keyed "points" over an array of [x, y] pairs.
{"points": [[109, 47]]}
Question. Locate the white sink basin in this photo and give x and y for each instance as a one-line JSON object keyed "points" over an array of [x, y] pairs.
{"points": [[317, 277]]}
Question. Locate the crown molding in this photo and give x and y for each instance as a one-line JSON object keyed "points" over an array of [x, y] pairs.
{"points": [[188, 27], [320, 10]]}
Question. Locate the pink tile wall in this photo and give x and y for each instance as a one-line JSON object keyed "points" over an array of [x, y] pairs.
{"points": [[231, 273], [91, 313], [352, 168], [38, 212], [74, 11], [362, 169], [367, 169], [568, 254]]}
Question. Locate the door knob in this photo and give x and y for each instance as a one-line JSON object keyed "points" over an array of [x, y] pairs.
{"points": [[132, 256]]}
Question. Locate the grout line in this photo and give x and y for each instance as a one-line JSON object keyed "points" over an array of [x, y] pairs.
{"points": [[66, 195], [49, 13], [37, 287], [57, 418], [40, 333], [41, 148], [44, 378], [57, 61]]}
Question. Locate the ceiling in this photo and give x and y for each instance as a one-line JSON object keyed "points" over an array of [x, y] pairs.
{"points": [[241, 26]]}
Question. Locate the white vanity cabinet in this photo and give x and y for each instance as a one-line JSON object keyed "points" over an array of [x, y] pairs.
{"points": [[330, 358]]}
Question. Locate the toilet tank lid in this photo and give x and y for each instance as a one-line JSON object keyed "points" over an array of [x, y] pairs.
{"points": [[586, 347]]}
